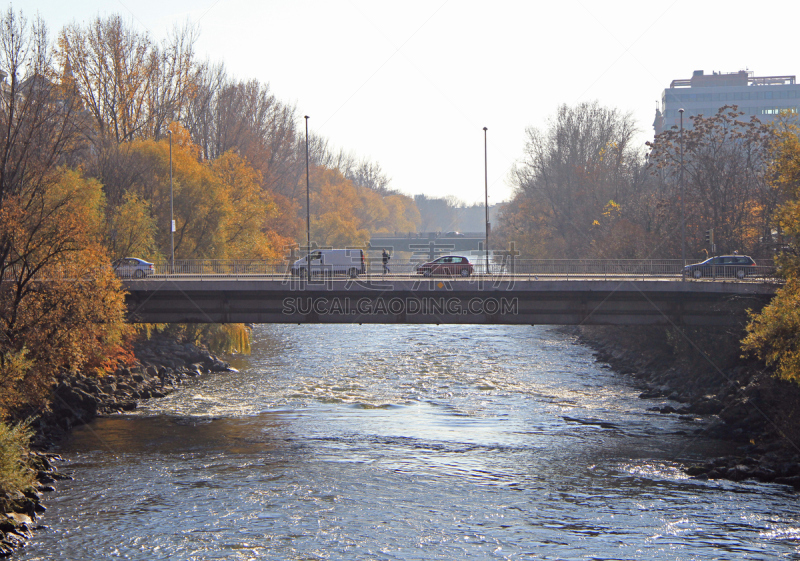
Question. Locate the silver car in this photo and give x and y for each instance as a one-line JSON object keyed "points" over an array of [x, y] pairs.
{"points": [[133, 268]]}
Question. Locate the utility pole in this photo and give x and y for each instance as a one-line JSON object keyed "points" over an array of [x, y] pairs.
{"points": [[171, 210], [308, 211], [683, 203], [486, 191]]}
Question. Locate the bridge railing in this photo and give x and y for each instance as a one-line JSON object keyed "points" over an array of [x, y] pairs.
{"points": [[565, 268], [610, 268], [221, 268], [531, 269]]}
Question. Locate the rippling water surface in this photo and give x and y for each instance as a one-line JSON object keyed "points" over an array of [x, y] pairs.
{"points": [[406, 442]]}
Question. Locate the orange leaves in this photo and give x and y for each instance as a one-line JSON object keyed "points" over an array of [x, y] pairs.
{"points": [[344, 214], [774, 334], [219, 207], [64, 307]]}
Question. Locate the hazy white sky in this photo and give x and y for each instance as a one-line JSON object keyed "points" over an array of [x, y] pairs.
{"points": [[411, 84]]}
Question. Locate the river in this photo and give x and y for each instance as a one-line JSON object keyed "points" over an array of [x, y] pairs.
{"points": [[406, 442]]}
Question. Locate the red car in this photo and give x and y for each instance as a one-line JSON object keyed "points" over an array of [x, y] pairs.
{"points": [[447, 265]]}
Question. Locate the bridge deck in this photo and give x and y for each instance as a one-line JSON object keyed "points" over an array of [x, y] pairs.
{"points": [[457, 301]]}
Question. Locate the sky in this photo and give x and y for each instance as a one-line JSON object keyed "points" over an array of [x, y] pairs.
{"points": [[412, 84]]}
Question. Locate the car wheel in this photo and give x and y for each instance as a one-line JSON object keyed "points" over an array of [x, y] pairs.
{"points": [[464, 272], [697, 273], [353, 273], [739, 274], [427, 272], [138, 274]]}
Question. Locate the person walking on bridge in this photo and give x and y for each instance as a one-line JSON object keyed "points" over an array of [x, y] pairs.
{"points": [[386, 258]]}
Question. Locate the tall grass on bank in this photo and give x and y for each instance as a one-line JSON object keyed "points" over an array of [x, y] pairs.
{"points": [[15, 471], [229, 338]]}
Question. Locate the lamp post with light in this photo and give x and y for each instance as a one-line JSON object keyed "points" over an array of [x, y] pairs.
{"points": [[683, 203], [171, 210], [308, 212], [486, 191]]}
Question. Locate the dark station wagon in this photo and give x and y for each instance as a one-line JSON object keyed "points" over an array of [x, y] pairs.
{"points": [[723, 266]]}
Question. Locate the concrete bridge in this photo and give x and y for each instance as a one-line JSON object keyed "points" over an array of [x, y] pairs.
{"points": [[475, 300]]}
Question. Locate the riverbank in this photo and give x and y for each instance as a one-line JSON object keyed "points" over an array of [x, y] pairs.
{"points": [[162, 366], [701, 372], [22, 508]]}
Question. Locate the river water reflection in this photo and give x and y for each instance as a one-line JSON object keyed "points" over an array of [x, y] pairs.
{"points": [[406, 442]]}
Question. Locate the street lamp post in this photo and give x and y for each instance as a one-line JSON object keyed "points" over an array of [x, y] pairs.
{"points": [[171, 210], [683, 203], [486, 191], [308, 212]]}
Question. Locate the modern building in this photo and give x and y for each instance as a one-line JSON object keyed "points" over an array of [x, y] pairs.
{"points": [[703, 94]]}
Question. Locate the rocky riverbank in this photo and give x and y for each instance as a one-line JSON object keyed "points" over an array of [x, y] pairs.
{"points": [[162, 366], [23, 508], [702, 373]]}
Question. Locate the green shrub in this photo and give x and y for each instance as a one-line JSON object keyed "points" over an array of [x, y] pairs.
{"points": [[15, 471]]}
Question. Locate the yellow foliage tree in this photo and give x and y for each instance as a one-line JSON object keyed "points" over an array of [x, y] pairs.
{"points": [[250, 210], [345, 214], [61, 307], [774, 333], [131, 229], [219, 209]]}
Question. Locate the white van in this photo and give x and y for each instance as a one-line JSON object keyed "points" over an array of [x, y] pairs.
{"points": [[350, 262]]}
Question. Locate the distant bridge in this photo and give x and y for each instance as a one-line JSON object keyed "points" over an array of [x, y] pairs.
{"points": [[480, 299]]}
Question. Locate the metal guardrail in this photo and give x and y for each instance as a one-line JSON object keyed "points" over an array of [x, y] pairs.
{"points": [[221, 268], [530, 269], [638, 268], [427, 235]]}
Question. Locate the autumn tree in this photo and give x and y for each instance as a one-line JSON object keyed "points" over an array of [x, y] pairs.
{"points": [[61, 307], [725, 180], [575, 186], [344, 214], [251, 213], [774, 333], [130, 85], [361, 171], [226, 114], [130, 228], [335, 203], [220, 209]]}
